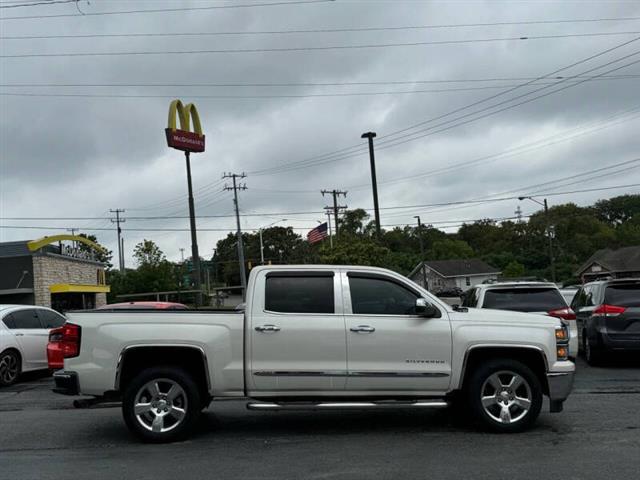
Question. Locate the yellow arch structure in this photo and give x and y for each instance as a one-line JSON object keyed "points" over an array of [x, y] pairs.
{"points": [[41, 242], [185, 114]]}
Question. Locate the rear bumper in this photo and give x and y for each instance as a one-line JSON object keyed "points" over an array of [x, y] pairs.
{"points": [[66, 383]]}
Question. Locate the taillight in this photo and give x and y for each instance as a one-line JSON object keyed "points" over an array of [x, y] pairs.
{"points": [[608, 310], [66, 339], [564, 313]]}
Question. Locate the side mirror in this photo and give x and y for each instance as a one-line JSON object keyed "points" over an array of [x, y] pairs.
{"points": [[425, 309]]}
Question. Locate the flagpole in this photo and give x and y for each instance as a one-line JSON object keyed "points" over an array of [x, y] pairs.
{"points": [[329, 225]]}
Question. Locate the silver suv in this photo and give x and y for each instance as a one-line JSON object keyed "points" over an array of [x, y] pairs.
{"points": [[543, 298]]}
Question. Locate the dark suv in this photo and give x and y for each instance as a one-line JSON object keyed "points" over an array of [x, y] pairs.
{"points": [[608, 317]]}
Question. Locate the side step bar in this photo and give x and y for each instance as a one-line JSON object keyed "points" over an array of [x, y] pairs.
{"points": [[346, 405]]}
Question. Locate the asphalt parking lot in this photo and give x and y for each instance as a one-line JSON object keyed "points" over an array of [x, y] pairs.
{"points": [[597, 436]]}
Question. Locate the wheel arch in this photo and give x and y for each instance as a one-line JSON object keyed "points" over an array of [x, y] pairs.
{"points": [[530, 355], [13, 348], [135, 358]]}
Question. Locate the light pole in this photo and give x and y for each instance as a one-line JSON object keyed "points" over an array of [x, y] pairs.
{"points": [[552, 262], [374, 182], [424, 272], [261, 244]]}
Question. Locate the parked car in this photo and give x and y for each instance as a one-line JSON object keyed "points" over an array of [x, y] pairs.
{"points": [[318, 337], [145, 306], [569, 293], [608, 317], [543, 298], [24, 332]]}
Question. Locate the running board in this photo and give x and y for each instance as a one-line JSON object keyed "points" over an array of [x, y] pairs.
{"points": [[346, 405]]}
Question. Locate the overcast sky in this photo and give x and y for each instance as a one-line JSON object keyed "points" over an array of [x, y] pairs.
{"points": [[79, 156]]}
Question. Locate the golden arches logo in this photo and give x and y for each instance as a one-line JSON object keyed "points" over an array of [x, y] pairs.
{"points": [[184, 139]]}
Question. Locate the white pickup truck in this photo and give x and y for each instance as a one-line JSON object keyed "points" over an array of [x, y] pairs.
{"points": [[317, 337]]}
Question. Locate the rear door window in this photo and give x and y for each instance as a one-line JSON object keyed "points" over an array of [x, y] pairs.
{"points": [[27, 319], [623, 295], [299, 293], [524, 299]]}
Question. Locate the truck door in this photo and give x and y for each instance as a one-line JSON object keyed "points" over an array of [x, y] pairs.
{"points": [[390, 348], [297, 339]]}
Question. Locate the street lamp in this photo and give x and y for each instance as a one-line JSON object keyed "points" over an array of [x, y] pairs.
{"points": [[261, 244], [552, 262]]}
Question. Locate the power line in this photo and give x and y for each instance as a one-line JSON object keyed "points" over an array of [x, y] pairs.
{"points": [[319, 212], [312, 84], [326, 30], [357, 149], [34, 4], [168, 10], [312, 48], [235, 97]]}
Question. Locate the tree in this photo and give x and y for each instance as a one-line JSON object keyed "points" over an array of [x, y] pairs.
{"points": [[448, 249], [617, 210], [513, 270], [147, 253], [103, 256]]}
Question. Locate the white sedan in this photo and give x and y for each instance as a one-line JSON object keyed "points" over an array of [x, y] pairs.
{"points": [[24, 333]]}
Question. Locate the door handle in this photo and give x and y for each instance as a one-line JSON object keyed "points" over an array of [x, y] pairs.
{"points": [[267, 328], [19, 334], [363, 329]]}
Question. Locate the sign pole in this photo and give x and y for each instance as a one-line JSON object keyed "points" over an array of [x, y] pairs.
{"points": [[195, 256]]}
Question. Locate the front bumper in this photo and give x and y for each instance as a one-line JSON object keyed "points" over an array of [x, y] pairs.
{"points": [[560, 385], [66, 383]]}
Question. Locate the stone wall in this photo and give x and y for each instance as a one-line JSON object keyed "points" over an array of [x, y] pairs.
{"points": [[51, 269]]}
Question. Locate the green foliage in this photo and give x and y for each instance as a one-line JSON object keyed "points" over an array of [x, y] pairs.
{"points": [[103, 257], [148, 254], [513, 270], [448, 249], [618, 210]]}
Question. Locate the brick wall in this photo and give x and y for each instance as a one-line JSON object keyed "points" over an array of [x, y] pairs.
{"points": [[49, 270]]}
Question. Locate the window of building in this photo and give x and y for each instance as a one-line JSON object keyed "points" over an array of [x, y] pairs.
{"points": [[378, 296], [467, 281], [299, 294]]}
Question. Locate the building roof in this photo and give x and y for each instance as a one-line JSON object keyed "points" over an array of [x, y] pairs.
{"points": [[14, 249], [626, 259], [459, 267]]}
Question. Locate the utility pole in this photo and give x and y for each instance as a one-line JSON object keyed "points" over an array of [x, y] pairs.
{"points": [[552, 261], [374, 182], [72, 230], [235, 188], [336, 208], [118, 221], [424, 272], [182, 255]]}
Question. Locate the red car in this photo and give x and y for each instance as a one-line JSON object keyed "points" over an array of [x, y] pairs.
{"points": [[57, 346]]}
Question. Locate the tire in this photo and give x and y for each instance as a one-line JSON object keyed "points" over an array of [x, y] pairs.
{"points": [[494, 402], [10, 367], [592, 355], [168, 403]]}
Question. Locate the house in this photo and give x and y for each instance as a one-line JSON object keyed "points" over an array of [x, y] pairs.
{"points": [[620, 263], [441, 275]]}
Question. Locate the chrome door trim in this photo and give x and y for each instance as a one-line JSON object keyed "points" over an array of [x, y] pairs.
{"points": [[344, 373]]}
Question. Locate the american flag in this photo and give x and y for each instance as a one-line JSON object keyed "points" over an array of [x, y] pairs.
{"points": [[317, 234]]}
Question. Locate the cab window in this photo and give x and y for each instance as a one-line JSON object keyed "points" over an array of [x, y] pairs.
{"points": [[380, 296]]}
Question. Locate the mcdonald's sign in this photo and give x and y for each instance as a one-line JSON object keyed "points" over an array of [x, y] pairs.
{"points": [[184, 139]]}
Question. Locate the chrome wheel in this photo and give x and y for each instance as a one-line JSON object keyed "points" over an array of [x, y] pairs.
{"points": [[506, 397], [9, 368], [160, 405]]}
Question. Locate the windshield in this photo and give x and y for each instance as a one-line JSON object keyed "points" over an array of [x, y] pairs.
{"points": [[524, 299], [625, 295]]}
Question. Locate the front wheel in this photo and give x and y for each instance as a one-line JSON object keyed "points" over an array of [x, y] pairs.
{"points": [[504, 396], [592, 355], [161, 404]]}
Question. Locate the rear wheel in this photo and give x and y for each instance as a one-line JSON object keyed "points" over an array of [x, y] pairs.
{"points": [[161, 404], [504, 395], [10, 367], [592, 355]]}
